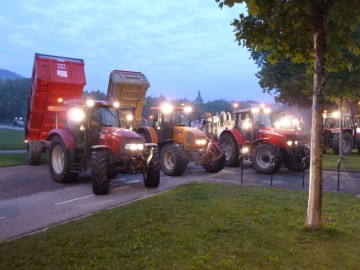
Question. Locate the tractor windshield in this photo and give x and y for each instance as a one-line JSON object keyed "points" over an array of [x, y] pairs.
{"points": [[333, 122], [180, 118], [105, 117], [262, 119]]}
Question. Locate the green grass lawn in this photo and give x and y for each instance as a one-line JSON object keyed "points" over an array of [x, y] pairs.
{"points": [[200, 226], [350, 163], [12, 139], [12, 160]]}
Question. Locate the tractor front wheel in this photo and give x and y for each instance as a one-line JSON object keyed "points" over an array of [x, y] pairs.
{"points": [[261, 158], [216, 161], [99, 164], [152, 175], [173, 160], [59, 161]]}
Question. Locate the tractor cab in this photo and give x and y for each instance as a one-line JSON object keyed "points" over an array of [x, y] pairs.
{"points": [[250, 121], [169, 121]]}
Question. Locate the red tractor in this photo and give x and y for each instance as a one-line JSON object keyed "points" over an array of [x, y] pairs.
{"points": [[81, 134], [331, 133], [254, 137]]}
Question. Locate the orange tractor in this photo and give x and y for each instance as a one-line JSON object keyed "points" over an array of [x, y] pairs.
{"points": [[180, 143]]}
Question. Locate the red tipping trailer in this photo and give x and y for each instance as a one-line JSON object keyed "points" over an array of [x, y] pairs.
{"points": [[54, 79]]}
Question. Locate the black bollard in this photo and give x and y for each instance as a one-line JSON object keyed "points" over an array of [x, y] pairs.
{"points": [[242, 167], [338, 183], [272, 163], [304, 166]]}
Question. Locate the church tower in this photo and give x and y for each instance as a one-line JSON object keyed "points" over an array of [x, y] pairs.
{"points": [[199, 99]]}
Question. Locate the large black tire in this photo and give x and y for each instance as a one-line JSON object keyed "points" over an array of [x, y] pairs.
{"points": [[230, 147], [294, 160], [358, 148], [60, 162], [348, 143], [34, 152], [152, 175], [261, 157], [215, 166], [173, 160], [145, 138], [99, 164]]}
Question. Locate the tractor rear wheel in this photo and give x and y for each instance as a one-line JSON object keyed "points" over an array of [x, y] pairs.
{"points": [[99, 164], [152, 175], [173, 160], [261, 158], [34, 152], [59, 161], [230, 147], [347, 141]]}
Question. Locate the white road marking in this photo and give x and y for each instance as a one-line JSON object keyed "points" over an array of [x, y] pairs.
{"points": [[76, 199], [2, 217]]}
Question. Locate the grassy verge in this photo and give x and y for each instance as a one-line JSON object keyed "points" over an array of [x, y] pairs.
{"points": [[351, 162], [12, 139], [200, 226], [12, 160]]}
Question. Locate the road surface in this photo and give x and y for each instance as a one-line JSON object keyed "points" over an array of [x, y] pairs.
{"points": [[30, 201]]}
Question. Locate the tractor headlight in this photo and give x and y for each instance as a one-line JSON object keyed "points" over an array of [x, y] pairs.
{"points": [[167, 108], [290, 143], [129, 117], [134, 146], [245, 150], [90, 103], [201, 142], [76, 115]]}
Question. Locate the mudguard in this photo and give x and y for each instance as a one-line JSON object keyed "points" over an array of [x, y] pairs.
{"points": [[237, 135], [66, 135], [150, 133]]}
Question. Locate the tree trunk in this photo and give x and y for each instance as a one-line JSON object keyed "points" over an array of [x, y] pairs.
{"points": [[314, 211]]}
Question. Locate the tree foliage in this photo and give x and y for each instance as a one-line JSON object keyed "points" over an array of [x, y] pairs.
{"points": [[305, 32], [13, 98]]}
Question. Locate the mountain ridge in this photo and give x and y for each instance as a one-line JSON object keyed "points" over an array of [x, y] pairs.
{"points": [[9, 75]]}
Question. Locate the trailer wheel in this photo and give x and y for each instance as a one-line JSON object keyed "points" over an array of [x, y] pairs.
{"points": [[173, 160], [231, 149], [34, 152], [347, 143], [152, 175], [99, 163], [261, 157], [59, 161]]}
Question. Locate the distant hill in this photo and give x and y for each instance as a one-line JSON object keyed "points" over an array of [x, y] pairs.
{"points": [[7, 74]]}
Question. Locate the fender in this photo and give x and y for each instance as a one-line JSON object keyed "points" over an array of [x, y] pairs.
{"points": [[65, 134], [237, 135], [150, 133]]}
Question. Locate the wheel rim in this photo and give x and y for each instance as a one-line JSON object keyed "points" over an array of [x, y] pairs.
{"points": [[57, 159], [263, 159], [168, 160], [228, 151]]}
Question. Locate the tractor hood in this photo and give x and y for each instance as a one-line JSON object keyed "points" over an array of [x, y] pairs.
{"points": [[280, 137], [190, 137], [118, 140]]}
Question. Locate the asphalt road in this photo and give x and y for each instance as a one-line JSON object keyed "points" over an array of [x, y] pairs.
{"points": [[30, 201]]}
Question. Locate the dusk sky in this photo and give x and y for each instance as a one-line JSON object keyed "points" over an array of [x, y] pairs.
{"points": [[181, 46]]}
